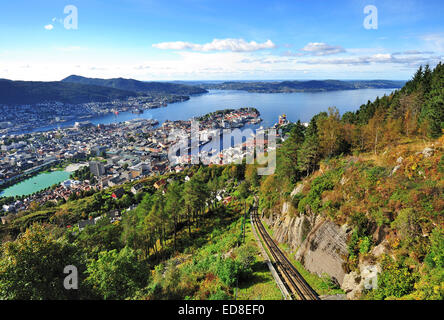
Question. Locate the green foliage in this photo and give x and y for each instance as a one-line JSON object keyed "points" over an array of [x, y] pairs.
{"points": [[103, 236], [31, 268], [117, 274], [313, 199], [328, 283], [408, 224], [219, 295], [394, 281], [435, 258], [246, 257], [365, 244], [287, 156], [373, 174], [228, 270]]}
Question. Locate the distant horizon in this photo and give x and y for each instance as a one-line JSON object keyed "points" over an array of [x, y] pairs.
{"points": [[220, 80]]}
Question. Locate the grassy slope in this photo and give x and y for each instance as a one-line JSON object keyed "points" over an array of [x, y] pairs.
{"points": [[261, 286]]}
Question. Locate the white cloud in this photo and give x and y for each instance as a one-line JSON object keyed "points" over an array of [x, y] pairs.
{"points": [[235, 45], [435, 41], [322, 49], [410, 60], [412, 52], [49, 27]]}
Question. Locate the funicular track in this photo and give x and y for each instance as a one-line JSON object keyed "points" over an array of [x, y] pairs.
{"points": [[295, 283]]}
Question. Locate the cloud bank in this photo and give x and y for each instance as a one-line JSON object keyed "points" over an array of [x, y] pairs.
{"points": [[322, 49], [234, 45]]}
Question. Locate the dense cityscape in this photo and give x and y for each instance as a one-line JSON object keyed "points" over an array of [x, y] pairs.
{"points": [[26, 118], [117, 152]]}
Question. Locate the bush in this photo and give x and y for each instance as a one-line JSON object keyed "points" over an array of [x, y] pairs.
{"points": [[228, 271], [435, 258], [394, 281], [219, 295], [328, 283], [117, 274], [364, 245], [246, 257], [320, 184]]}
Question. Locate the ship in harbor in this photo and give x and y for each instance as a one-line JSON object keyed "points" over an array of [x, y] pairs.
{"points": [[137, 111]]}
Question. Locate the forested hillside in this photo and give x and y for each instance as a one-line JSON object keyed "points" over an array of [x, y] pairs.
{"points": [[378, 173], [31, 92], [153, 88], [305, 86]]}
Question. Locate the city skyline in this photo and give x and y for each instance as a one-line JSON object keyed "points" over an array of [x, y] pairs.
{"points": [[208, 40]]}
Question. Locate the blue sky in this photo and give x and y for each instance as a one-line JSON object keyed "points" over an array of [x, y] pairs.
{"points": [[219, 40]]}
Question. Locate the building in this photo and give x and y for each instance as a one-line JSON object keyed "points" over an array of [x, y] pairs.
{"points": [[118, 193], [7, 219], [160, 183], [97, 168], [82, 124], [136, 188], [283, 119], [83, 223], [98, 150]]}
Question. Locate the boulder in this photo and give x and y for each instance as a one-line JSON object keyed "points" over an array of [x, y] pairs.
{"points": [[380, 249], [297, 190], [350, 282], [427, 152], [379, 234], [395, 169], [369, 275], [286, 208]]}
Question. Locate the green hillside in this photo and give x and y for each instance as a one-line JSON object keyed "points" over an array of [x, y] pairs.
{"points": [[32, 92], [154, 88], [306, 86]]}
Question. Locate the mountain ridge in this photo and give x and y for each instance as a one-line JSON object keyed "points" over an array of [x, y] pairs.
{"points": [[305, 86], [137, 86], [32, 92]]}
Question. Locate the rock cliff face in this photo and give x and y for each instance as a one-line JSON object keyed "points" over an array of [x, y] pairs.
{"points": [[324, 250], [321, 245], [290, 230]]}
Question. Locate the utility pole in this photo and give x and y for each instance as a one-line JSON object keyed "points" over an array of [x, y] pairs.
{"points": [[245, 218]]}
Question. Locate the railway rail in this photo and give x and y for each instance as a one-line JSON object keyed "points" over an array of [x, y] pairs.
{"points": [[292, 279]]}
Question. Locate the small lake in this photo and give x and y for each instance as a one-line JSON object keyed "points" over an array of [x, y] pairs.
{"points": [[36, 183]]}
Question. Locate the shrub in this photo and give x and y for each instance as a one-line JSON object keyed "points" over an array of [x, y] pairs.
{"points": [[219, 295], [394, 281], [435, 258], [320, 184], [246, 256], [228, 271], [364, 245], [328, 283]]}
